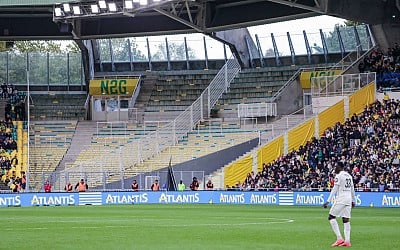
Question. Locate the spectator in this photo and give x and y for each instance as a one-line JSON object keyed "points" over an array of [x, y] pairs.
{"points": [[181, 186], [47, 187], [81, 186], [135, 186], [155, 186], [209, 185], [68, 187], [194, 186], [367, 144]]}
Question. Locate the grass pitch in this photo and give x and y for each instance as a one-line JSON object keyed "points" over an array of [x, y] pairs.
{"points": [[191, 227]]}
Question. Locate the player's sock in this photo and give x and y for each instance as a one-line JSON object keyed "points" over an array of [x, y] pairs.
{"points": [[335, 228], [347, 231]]}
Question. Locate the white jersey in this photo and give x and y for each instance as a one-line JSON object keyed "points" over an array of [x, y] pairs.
{"points": [[343, 188]]}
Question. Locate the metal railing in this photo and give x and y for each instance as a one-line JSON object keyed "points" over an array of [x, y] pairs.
{"points": [[118, 159], [340, 85], [251, 110], [344, 64]]}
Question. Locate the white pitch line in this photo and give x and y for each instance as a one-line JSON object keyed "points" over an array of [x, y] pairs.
{"points": [[280, 221]]}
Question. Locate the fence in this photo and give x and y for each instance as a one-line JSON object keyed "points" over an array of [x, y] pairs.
{"points": [[100, 180], [325, 86], [257, 110]]}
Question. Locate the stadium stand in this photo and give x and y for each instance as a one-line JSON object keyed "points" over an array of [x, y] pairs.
{"points": [[367, 144], [386, 65], [50, 141], [206, 139], [169, 93], [54, 106], [12, 155]]}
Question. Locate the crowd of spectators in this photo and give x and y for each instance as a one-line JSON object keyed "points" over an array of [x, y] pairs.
{"points": [[367, 144], [386, 65], [13, 110]]}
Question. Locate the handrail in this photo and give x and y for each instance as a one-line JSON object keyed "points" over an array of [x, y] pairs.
{"points": [[138, 150], [294, 76], [352, 63], [349, 67], [135, 93], [86, 106], [339, 65]]}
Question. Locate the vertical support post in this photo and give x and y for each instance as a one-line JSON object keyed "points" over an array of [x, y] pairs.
{"points": [[225, 56], [7, 66], [82, 73], [149, 53], [371, 39], [130, 54], [324, 46], [341, 44], [292, 52], [174, 133], [208, 101], [186, 53], [191, 117], [28, 127], [316, 127], [68, 72], [286, 143], [308, 48], [276, 52], [342, 85], [100, 59], [358, 42], [201, 107], [205, 52], [111, 55], [260, 51], [168, 56], [246, 39], [48, 70], [226, 77]]}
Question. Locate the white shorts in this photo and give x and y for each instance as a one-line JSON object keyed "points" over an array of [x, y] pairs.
{"points": [[341, 210]]}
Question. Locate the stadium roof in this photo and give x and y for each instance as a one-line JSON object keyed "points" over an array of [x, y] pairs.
{"points": [[33, 19], [27, 2]]}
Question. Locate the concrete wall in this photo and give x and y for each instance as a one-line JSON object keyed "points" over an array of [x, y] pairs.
{"points": [[386, 35], [291, 99], [236, 39], [319, 104]]}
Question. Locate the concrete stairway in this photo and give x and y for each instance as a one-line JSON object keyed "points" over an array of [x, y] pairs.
{"points": [[80, 141], [148, 83]]}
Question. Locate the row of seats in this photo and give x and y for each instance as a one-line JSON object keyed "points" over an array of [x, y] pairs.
{"points": [[117, 153], [50, 141], [58, 107]]}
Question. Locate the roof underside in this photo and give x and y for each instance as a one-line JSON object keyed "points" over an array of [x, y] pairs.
{"points": [[33, 19]]}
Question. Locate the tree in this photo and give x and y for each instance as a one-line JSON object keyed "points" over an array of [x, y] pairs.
{"points": [[176, 52], [120, 50], [348, 37], [269, 53], [46, 58]]}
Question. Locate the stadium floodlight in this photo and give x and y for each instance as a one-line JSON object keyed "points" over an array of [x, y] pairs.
{"points": [[77, 10], [112, 7], [95, 9], [143, 2], [128, 4], [136, 1], [58, 12], [103, 4], [66, 7]]}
